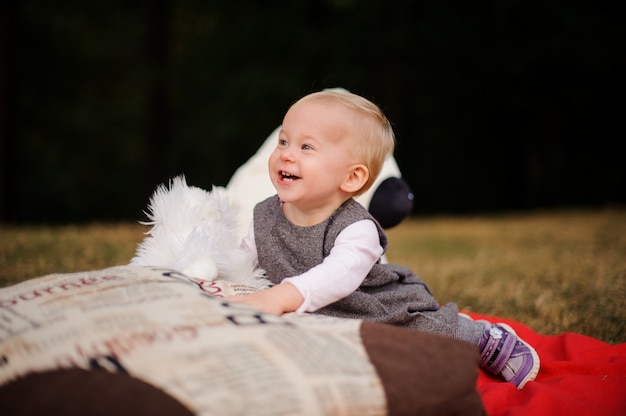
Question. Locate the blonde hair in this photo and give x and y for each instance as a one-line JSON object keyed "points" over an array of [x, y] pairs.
{"points": [[376, 132]]}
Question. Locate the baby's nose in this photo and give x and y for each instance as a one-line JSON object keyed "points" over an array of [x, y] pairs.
{"points": [[287, 154]]}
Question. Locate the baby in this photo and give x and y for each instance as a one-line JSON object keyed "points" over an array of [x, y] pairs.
{"points": [[322, 249]]}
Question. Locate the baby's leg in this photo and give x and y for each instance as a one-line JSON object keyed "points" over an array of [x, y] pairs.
{"points": [[502, 352], [445, 320]]}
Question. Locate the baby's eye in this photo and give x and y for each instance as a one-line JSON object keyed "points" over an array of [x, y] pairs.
{"points": [[306, 147], [282, 142]]}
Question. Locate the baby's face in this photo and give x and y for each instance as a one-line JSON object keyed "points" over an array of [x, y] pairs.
{"points": [[315, 151]]}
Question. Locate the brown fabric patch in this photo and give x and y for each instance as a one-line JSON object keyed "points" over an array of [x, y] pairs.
{"points": [[423, 373], [75, 392]]}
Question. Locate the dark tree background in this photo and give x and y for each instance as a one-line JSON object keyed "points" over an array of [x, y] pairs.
{"points": [[500, 105]]}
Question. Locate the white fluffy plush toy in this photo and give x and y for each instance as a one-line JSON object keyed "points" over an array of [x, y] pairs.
{"points": [[195, 232]]}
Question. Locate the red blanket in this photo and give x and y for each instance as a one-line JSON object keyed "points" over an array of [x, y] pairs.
{"points": [[579, 375]]}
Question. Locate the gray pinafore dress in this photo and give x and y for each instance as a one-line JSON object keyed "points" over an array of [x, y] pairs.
{"points": [[390, 294]]}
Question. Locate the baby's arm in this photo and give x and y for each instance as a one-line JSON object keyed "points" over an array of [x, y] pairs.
{"points": [[356, 250], [278, 299]]}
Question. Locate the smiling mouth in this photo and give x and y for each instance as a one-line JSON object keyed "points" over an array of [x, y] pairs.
{"points": [[287, 177]]}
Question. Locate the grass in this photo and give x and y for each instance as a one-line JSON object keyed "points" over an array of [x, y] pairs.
{"points": [[554, 271], [31, 251]]}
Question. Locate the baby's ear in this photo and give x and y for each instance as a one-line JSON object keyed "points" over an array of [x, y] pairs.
{"points": [[356, 179]]}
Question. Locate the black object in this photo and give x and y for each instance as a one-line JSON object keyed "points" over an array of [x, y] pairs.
{"points": [[392, 202]]}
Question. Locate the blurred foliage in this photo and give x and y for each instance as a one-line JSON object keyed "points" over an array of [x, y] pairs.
{"points": [[496, 106]]}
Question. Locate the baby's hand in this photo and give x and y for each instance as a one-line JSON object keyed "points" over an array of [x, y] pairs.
{"points": [[276, 300]]}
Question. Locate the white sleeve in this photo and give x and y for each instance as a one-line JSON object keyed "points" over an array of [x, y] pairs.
{"points": [[248, 243], [356, 250]]}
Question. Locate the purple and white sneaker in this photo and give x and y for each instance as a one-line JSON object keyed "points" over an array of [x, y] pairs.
{"points": [[503, 353]]}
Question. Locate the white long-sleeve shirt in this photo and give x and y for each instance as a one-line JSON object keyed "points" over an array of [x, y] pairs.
{"points": [[356, 250]]}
